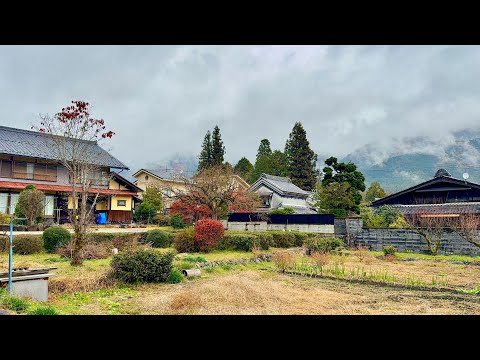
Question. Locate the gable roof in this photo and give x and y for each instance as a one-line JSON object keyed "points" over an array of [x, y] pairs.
{"points": [[281, 185], [436, 180], [241, 181], [159, 174], [39, 145], [446, 208], [125, 182]]}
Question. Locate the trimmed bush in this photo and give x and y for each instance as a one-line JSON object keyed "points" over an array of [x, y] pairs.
{"points": [[237, 241], [175, 277], [55, 237], [185, 241], [142, 266], [98, 237], [323, 244], [299, 237], [283, 239], [264, 240], [158, 238], [27, 244], [389, 250], [176, 221], [208, 233]]}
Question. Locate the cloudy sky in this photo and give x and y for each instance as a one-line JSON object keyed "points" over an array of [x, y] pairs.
{"points": [[161, 100]]}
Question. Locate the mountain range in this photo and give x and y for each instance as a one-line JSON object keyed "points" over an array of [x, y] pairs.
{"points": [[400, 163]]}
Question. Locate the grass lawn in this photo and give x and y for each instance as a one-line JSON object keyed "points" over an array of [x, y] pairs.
{"points": [[258, 288]]}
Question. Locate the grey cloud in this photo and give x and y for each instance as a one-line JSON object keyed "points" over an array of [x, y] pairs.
{"points": [[160, 100]]}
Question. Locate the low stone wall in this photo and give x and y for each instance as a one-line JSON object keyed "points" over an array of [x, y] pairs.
{"points": [[263, 226], [406, 240]]}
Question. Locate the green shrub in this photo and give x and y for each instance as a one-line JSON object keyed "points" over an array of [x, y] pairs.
{"points": [[264, 240], [184, 265], [54, 237], [185, 241], [98, 237], [283, 211], [14, 303], [175, 277], [4, 218], [158, 238], [176, 221], [27, 244], [142, 266], [299, 237], [43, 310], [323, 244], [283, 239], [237, 241], [195, 259], [389, 250]]}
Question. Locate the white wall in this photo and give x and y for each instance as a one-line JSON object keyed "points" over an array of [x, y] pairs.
{"points": [[262, 226]]}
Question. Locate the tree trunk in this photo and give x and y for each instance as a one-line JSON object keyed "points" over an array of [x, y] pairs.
{"points": [[77, 258]]}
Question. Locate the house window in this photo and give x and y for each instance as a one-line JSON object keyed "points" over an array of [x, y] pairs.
{"points": [[49, 205], [5, 168], [167, 192], [3, 203], [146, 177], [13, 202], [121, 202], [31, 171]]}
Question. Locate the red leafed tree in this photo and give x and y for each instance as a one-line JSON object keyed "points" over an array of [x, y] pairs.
{"points": [[244, 201], [73, 133], [208, 233], [190, 212]]}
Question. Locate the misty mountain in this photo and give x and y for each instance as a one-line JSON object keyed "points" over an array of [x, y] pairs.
{"points": [[178, 164], [400, 163]]}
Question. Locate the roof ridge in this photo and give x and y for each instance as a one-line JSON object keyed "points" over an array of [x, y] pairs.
{"points": [[38, 133]]}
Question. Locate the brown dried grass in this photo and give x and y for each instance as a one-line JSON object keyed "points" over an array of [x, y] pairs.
{"points": [[284, 260], [321, 259]]}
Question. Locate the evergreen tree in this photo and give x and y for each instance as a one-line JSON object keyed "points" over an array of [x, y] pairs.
{"points": [[301, 160], [272, 164], [205, 157], [375, 191], [218, 150], [336, 172], [264, 148], [243, 168]]}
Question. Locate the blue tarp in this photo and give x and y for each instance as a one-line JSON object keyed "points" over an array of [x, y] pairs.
{"points": [[102, 218]]}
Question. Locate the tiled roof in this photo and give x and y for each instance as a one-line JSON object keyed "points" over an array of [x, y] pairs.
{"points": [[282, 184], [62, 188], [35, 144], [447, 208]]}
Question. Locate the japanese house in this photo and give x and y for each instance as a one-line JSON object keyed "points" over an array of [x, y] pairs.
{"points": [[27, 157]]}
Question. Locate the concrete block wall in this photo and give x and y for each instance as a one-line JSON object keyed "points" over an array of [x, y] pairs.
{"points": [[406, 240]]}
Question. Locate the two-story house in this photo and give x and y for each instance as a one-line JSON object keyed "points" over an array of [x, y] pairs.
{"points": [[27, 157], [278, 192], [167, 180]]}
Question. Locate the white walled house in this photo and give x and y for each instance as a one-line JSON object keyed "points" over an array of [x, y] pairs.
{"points": [[278, 192]]}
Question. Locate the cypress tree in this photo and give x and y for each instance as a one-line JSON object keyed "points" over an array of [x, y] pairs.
{"points": [[301, 160], [264, 148], [205, 157], [218, 150], [243, 168]]}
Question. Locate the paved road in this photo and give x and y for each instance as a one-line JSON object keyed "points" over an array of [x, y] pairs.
{"points": [[100, 230]]}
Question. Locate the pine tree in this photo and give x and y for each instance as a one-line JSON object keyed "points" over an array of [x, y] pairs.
{"points": [[301, 160], [243, 168], [218, 150], [205, 157], [264, 148]]}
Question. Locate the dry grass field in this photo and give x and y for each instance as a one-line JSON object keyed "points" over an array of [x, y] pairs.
{"points": [[258, 288]]}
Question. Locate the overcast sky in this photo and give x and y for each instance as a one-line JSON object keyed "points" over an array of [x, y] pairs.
{"points": [[161, 100]]}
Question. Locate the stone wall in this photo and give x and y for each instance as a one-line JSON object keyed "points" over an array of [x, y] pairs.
{"points": [[263, 226], [406, 240]]}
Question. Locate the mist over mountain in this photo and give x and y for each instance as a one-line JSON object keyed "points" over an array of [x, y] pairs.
{"points": [[400, 163], [178, 164]]}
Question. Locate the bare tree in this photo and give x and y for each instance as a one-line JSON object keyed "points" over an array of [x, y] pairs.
{"points": [[468, 226], [431, 227], [73, 136], [213, 188]]}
